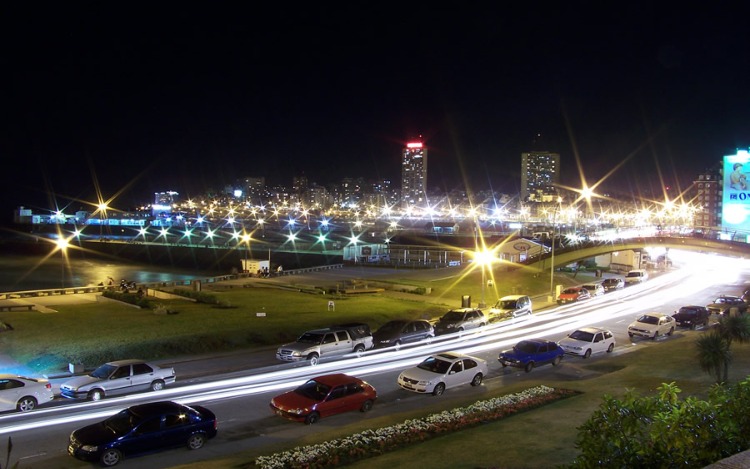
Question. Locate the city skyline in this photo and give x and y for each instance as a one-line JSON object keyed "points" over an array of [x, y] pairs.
{"points": [[119, 104]]}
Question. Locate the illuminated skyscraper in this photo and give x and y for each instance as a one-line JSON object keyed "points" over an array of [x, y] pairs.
{"points": [[540, 171], [414, 175]]}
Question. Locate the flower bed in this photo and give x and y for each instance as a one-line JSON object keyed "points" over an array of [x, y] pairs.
{"points": [[374, 442]]}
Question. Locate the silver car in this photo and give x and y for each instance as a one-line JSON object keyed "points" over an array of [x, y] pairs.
{"points": [[118, 377], [23, 394]]}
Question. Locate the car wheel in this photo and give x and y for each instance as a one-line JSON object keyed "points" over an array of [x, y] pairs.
{"points": [[366, 406], [529, 366], [504, 364], [656, 334], [157, 385], [587, 354], [110, 457], [671, 331], [630, 334], [477, 380], [397, 345], [196, 441], [96, 395], [557, 360], [439, 389], [313, 358], [610, 348], [429, 339], [26, 404], [359, 350], [312, 418]]}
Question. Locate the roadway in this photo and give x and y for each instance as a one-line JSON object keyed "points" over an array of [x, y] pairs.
{"points": [[238, 387]]}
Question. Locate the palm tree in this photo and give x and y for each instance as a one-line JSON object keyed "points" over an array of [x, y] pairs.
{"points": [[714, 355], [734, 327]]}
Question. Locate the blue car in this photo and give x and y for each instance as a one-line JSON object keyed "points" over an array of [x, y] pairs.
{"points": [[141, 429], [528, 354]]}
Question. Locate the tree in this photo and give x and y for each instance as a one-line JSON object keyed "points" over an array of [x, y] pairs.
{"points": [[714, 355]]}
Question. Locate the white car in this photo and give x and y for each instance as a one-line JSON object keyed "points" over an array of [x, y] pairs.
{"points": [[442, 371], [511, 306], [118, 377], [595, 289], [23, 394], [588, 340], [652, 325]]}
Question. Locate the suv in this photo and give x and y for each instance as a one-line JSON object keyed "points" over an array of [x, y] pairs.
{"points": [[459, 320], [636, 276], [691, 316], [511, 306], [334, 341]]}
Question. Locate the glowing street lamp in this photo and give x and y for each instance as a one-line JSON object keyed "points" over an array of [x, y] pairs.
{"points": [[483, 258], [62, 245]]}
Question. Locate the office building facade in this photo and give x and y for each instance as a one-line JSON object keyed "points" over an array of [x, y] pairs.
{"points": [[414, 175]]}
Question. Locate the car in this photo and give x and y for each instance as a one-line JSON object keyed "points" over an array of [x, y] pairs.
{"points": [[511, 306], [118, 377], [594, 289], [324, 396], [143, 428], [573, 294], [399, 332], [692, 316], [652, 325], [724, 304], [612, 284], [587, 340], [22, 393], [530, 353], [442, 371], [636, 276], [459, 320]]}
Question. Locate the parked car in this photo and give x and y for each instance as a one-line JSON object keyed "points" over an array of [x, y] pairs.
{"points": [[23, 394], [528, 354], [511, 306], [573, 294], [636, 276], [118, 377], [652, 325], [143, 428], [442, 371], [330, 342], [594, 289], [324, 396], [723, 304], [587, 340], [459, 320], [612, 284], [692, 316], [400, 332]]}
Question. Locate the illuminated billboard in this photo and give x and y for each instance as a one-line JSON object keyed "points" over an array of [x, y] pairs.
{"points": [[736, 199]]}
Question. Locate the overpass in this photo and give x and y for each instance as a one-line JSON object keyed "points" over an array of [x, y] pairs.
{"points": [[579, 252]]}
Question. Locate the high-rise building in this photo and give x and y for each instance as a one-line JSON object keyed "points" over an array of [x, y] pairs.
{"points": [[414, 175], [540, 171], [707, 193]]}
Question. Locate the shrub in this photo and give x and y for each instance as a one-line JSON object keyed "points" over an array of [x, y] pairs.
{"points": [[200, 297]]}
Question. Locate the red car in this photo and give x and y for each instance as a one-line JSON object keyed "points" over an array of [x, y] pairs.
{"points": [[324, 396]]}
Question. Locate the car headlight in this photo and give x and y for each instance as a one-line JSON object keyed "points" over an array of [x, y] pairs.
{"points": [[90, 448], [450, 326], [296, 354]]}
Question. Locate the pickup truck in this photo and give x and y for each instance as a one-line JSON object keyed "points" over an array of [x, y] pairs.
{"points": [[334, 341]]}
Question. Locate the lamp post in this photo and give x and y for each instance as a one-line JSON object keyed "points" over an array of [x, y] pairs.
{"points": [[552, 257], [62, 245]]}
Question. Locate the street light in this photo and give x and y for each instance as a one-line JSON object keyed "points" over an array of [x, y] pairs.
{"points": [[62, 245], [552, 267], [483, 257]]}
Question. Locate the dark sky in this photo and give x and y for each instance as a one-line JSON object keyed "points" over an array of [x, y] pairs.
{"points": [[139, 98]]}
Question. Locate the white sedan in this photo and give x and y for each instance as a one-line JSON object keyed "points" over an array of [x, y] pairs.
{"points": [[585, 341], [442, 371], [23, 394], [652, 325]]}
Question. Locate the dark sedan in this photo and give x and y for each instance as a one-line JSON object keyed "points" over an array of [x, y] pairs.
{"points": [[400, 332], [528, 354], [692, 316], [144, 428]]}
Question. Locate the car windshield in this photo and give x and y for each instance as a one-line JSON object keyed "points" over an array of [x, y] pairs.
{"points": [[506, 304], [646, 319], [582, 335], [570, 291], [610, 281], [452, 316], [634, 274], [590, 287], [393, 326], [525, 346], [313, 390], [435, 365], [122, 422], [103, 371], [311, 338], [687, 312]]}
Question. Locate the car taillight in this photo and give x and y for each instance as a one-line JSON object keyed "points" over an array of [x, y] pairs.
{"points": [[216, 424], [48, 386]]}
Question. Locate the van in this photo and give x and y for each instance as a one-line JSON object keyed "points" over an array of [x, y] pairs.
{"points": [[511, 306], [636, 276]]}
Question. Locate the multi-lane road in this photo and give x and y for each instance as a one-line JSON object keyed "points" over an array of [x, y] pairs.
{"points": [[240, 399]]}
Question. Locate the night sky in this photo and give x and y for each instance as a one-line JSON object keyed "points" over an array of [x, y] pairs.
{"points": [[138, 98]]}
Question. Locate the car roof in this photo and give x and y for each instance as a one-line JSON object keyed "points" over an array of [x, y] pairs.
{"points": [[452, 355], [462, 310], [537, 341], [335, 379], [156, 407], [130, 361], [512, 297], [653, 313], [586, 285]]}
